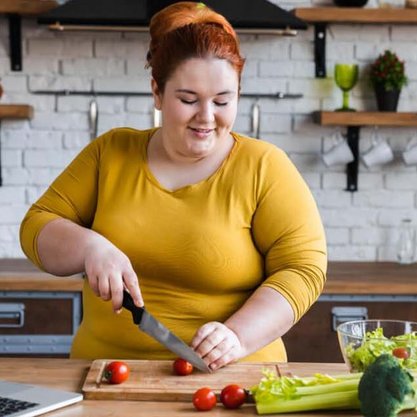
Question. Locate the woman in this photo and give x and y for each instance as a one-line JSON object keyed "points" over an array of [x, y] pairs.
{"points": [[217, 233]]}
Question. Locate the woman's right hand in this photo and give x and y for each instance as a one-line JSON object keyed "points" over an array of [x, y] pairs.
{"points": [[109, 271]]}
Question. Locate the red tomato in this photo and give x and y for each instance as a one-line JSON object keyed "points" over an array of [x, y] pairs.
{"points": [[182, 367], [116, 372], [233, 396], [401, 352], [204, 399]]}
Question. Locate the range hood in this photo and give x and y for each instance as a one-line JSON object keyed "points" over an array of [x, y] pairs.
{"points": [[247, 16]]}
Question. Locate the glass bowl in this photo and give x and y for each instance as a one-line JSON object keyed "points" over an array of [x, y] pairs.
{"points": [[362, 341]]}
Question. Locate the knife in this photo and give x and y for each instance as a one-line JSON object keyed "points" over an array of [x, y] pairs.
{"points": [[154, 328]]}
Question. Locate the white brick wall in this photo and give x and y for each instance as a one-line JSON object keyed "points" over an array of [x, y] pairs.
{"points": [[359, 226]]}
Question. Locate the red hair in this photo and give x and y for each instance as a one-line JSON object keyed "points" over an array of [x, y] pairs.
{"points": [[187, 30]]}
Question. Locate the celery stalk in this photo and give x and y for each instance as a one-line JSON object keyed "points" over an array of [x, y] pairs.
{"points": [[333, 400], [348, 385], [285, 394]]}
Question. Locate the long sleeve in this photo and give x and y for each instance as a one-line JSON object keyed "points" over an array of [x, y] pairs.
{"points": [[73, 196], [288, 231]]}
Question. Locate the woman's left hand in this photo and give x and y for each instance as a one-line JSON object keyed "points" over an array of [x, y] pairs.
{"points": [[217, 344]]}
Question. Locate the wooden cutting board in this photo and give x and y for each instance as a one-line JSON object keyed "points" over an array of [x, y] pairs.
{"points": [[156, 381]]}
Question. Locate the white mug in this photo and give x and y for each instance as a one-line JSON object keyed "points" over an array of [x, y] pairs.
{"points": [[410, 153], [339, 153], [379, 153]]}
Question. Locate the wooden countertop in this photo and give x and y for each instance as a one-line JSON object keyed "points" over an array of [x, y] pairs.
{"points": [[343, 278], [69, 374], [371, 278], [22, 275]]}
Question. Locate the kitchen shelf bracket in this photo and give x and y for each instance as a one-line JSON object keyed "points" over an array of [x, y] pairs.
{"points": [[320, 49], [352, 167], [15, 41]]}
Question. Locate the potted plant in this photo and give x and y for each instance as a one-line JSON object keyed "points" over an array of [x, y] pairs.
{"points": [[387, 76]]}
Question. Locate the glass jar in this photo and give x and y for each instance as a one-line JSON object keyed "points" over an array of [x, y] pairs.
{"points": [[406, 242]]}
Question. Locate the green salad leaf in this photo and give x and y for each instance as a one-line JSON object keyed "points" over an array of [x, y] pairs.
{"points": [[375, 343]]}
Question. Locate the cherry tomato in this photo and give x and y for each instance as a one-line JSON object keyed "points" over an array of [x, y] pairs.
{"points": [[233, 396], [182, 367], [204, 399], [116, 372], [401, 353]]}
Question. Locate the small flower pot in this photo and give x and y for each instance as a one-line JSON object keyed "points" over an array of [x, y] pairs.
{"points": [[386, 100]]}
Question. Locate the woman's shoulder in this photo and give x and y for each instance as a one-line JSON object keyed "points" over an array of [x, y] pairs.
{"points": [[123, 135], [258, 148]]}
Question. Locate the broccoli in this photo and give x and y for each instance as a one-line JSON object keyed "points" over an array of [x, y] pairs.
{"points": [[386, 388]]}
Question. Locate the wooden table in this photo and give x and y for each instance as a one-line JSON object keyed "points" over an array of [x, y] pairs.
{"points": [[69, 374]]}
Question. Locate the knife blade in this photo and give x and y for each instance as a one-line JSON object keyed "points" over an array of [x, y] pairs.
{"points": [[154, 328]]}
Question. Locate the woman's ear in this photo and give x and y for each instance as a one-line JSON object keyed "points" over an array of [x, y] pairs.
{"points": [[156, 95]]}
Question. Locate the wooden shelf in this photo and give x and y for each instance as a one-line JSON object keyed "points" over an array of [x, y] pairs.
{"points": [[320, 17], [334, 118], [14, 10], [354, 121], [16, 111], [27, 7], [356, 15]]}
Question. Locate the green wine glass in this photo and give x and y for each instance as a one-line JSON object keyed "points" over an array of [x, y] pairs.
{"points": [[346, 77]]}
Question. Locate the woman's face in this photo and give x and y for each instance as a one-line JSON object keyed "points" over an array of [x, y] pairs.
{"points": [[199, 106]]}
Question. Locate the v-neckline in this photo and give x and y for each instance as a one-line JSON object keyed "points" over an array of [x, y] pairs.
{"points": [[152, 178]]}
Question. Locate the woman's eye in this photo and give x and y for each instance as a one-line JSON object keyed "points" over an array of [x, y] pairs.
{"points": [[183, 100], [220, 104]]}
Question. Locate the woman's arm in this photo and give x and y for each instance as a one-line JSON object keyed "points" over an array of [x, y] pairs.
{"points": [[66, 248], [287, 231], [56, 231]]}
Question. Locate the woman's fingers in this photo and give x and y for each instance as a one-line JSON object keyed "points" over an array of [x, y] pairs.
{"points": [[131, 282], [109, 272], [203, 332], [216, 344]]}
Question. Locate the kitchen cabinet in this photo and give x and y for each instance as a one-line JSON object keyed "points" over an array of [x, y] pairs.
{"points": [[353, 121], [354, 290], [39, 312], [321, 16]]}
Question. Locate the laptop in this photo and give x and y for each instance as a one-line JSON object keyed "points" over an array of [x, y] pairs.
{"points": [[26, 400]]}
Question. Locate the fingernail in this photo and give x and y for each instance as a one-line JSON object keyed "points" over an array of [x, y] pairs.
{"points": [[213, 367]]}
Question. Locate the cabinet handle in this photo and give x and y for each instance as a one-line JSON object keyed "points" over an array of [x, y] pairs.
{"points": [[12, 315], [343, 314]]}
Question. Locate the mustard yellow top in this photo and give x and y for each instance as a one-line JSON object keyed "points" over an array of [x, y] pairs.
{"points": [[199, 251]]}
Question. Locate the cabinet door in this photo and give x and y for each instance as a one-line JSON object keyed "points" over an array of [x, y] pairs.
{"points": [[314, 339], [38, 323], [37, 316]]}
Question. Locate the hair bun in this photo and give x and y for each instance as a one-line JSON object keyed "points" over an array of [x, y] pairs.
{"points": [[181, 14]]}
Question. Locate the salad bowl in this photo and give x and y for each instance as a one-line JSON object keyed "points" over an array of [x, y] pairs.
{"points": [[362, 341]]}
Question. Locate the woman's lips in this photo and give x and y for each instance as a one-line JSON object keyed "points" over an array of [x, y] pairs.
{"points": [[201, 133]]}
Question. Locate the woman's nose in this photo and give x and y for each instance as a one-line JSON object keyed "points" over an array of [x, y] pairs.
{"points": [[206, 112]]}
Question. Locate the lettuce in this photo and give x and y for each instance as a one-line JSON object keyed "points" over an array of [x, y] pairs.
{"points": [[375, 343]]}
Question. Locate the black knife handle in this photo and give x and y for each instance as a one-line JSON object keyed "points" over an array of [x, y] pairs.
{"points": [[130, 305]]}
